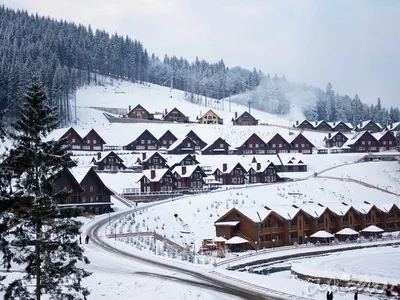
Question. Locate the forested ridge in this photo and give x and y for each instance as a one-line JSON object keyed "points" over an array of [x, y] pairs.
{"points": [[66, 56]]}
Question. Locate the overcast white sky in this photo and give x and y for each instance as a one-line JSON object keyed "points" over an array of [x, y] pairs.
{"points": [[353, 44]]}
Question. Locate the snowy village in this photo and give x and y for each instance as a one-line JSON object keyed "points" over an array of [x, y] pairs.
{"points": [[136, 177]]}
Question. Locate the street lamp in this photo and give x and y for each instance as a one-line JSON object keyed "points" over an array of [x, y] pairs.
{"points": [[273, 243]]}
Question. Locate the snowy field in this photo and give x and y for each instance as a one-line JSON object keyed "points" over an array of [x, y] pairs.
{"points": [[386, 175], [375, 264], [156, 98]]}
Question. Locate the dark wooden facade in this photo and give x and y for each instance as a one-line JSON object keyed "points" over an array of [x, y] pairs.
{"points": [[363, 142], [189, 177], [340, 126], [153, 161], [186, 145], [74, 139], [145, 141], [304, 125], [93, 141], [219, 146], [109, 162], [176, 116], [197, 139], [157, 181], [322, 125], [231, 176], [335, 139], [254, 145], [167, 139], [262, 173], [244, 119], [68, 182], [187, 160], [278, 145], [139, 112], [300, 144], [370, 126], [387, 141]]}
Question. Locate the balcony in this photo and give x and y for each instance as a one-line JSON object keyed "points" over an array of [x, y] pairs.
{"points": [[272, 230]]}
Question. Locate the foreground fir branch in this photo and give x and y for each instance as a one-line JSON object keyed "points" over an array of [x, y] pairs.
{"points": [[35, 233]]}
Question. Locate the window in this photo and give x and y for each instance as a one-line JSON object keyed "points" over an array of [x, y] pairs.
{"points": [[234, 180], [260, 151], [247, 151], [155, 160], [250, 145], [88, 142], [296, 145], [302, 145], [369, 142], [84, 199], [170, 142], [390, 142], [142, 142], [273, 145], [148, 142], [361, 148], [164, 142], [221, 145], [271, 151], [188, 144], [73, 140], [94, 141], [91, 188], [363, 143], [257, 145], [280, 145]]}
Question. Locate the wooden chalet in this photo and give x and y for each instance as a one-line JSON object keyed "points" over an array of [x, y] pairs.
{"points": [[391, 216], [93, 141], [363, 141], [369, 125], [262, 173], [230, 174], [322, 126], [304, 125], [96, 196], [159, 180], [386, 139], [184, 145], [210, 117], [181, 160], [175, 115], [167, 139], [189, 177], [153, 161], [74, 139], [254, 145], [341, 126], [109, 161], [291, 164], [277, 144], [145, 141], [244, 119], [67, 182], [393, 127], [139, 112], [335, 139], [218, 147], [197, 139], [300, 144]]}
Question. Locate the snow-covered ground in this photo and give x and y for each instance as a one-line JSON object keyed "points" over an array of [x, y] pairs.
{"points": [[156, 98], [353, 265]]}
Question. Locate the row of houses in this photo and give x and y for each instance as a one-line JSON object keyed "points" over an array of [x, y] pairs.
{"points": [[272, 226], [341, 126], [362, 141], [175, 115]]}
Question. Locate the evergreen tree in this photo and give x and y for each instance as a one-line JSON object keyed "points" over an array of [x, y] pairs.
{"points": [[398, 140], [44, 237]]}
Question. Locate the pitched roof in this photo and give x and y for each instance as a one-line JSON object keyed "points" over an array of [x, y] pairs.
{"points": [[160, 173], [179, 141], [211, 144], [189, 170], [210, 110], [365, 123], [335, 124], [172, 110], [151, 155], [80, 172], [105, 154], [138, 106], [381, 134], [354, 139], [244, 113]]}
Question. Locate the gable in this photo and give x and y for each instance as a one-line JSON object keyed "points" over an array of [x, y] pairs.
{"points": [[139, 107], [253, 138], [93, 132], [73, 133], [147, 134]]}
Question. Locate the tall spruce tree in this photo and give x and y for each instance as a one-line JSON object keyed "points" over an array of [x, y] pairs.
{"points": [[44, 237]]}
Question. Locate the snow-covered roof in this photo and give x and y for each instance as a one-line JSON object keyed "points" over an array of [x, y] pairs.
{"points": [[373, 229], [379, 135], [175, 158], [339, 208], [292, 159], [120, 181], [322, 234], [80, 172], [351, 141], [151, 154], [220, 239], [362, 125], [335, 124], [392, 126], [236, 240], [227, 223], [189, 170], [256, 214], [287, 212], [313, 210], [159, 173], [347, 231]]}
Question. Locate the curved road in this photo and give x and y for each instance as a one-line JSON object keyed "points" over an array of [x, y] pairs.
{"points": [[207, 282]]}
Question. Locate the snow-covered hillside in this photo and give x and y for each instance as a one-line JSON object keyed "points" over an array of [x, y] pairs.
{"points": [[157, 98]]}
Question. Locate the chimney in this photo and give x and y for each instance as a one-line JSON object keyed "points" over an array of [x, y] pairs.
{"points": [[152, 174], [391, 125], [183, 170], [235, 114], [258, 166], [129, 108], [334, 124], [329, 135], [98, 155], [166, 111], [143, 155], [297, 123], [316, 122], [224, 167]]}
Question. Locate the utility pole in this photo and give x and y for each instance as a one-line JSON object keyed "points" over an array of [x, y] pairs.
{"points": [[249, 102]]}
